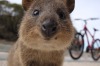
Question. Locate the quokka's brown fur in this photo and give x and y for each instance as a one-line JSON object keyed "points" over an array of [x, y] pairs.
{"points": [[35, 48]]}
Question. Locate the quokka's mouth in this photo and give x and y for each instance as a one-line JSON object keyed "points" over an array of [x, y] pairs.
{"points": [[48, 37]]}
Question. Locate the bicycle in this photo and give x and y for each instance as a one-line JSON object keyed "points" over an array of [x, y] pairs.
{"points": [[77, 47]]}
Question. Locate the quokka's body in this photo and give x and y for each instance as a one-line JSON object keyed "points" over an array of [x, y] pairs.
{"points": [[46, 31]]}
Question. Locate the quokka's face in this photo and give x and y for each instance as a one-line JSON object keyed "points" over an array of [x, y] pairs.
{"points": [[47, 20]]}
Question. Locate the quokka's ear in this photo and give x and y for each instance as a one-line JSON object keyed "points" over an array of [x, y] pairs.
{"points": [[26, 4], [70, 5]]}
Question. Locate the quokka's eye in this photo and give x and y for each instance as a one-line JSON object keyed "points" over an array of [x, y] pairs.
{"points": [[35, 12], [61, 14]]}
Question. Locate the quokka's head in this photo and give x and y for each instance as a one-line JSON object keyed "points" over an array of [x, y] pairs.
{"points": [[47, 20]]}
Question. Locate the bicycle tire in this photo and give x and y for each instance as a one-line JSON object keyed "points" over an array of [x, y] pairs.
{"points": [[77, 44], [95, 49]]}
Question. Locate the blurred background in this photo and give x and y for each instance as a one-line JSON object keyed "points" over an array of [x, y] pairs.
{"points": [[11, 13], [10, 18]]}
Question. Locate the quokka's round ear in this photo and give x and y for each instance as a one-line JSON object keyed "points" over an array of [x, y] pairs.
{"points": [[70, 5], [26, 4]]}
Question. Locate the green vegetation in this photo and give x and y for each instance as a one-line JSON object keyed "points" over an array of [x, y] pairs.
{"points": [[10, 18]]}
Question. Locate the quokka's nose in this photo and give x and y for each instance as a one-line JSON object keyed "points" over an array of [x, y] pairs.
{"points": [[49, 27]]}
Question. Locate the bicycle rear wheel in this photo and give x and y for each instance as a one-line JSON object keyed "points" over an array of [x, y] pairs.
{"points": [[95, 51], [77, 47]]}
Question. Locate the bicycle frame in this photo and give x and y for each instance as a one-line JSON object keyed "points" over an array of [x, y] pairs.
{"points": [[86, 32]]}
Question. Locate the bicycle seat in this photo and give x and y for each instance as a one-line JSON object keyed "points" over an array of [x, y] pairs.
{"points": [[96, 29]]}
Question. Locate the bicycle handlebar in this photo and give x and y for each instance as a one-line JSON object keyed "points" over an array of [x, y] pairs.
{"points": [[85, 20], [94, 18]]}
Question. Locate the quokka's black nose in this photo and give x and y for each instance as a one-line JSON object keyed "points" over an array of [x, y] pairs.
{"points": [[49, 27]]}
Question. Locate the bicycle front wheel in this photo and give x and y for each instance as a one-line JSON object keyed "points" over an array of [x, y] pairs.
{"points": [[77, 47], [95, 51]]}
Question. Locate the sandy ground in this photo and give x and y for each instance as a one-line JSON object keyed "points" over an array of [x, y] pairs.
{"points": [[85, 60]]}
